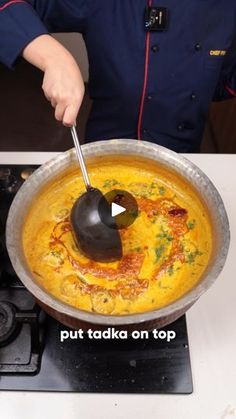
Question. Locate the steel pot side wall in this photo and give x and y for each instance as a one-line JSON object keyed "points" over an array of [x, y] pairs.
{"points": [[148, 325]]}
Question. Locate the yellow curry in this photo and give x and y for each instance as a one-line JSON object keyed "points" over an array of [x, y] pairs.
{"points": [[165, 251]]}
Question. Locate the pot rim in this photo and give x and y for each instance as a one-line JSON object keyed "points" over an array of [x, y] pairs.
{"points": [[199, 181]]}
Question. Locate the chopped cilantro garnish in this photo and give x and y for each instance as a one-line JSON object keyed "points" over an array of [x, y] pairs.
{"points": [[165, 235], [110, 182], [191, 224], [162, 190], [191, 256], [159, 252], [170, 270]]}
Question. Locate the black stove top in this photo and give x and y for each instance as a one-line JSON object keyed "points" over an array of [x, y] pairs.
{"points": [[33, 358]]}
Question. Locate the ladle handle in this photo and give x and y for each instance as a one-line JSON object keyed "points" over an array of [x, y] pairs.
{"points": [[80, 157]]}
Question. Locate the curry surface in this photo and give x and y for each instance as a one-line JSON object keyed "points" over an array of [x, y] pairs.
{"points": [[165, 251]]}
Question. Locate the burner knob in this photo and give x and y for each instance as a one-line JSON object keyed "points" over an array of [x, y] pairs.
{"points": [[6, 178]]}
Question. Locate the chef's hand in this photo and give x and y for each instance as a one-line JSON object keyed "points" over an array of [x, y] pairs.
{"points": [[63, 85]]}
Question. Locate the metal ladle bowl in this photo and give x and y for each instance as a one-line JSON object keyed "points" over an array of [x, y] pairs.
{"points": [[98, 241]]}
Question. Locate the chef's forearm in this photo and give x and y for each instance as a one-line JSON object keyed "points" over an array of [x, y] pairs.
{"points": [[62, 83], [44, 51]]}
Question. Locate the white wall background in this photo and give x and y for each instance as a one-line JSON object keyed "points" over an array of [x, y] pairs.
{"points": [[75, 44]]}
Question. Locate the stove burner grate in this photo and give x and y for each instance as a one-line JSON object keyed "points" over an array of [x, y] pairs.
{"points": [[8, 323], [20, 336]]}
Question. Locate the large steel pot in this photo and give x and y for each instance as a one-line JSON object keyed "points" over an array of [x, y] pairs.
{"points": [[77, 318]]}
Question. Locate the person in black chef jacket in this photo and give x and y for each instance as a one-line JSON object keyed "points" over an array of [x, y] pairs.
{"points": [[153, 70]]}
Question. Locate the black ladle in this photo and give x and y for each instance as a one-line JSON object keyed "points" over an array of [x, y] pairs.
{"points": [[98, 241]]}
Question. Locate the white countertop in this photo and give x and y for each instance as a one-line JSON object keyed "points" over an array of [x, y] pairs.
{"points": [[212, 337]]}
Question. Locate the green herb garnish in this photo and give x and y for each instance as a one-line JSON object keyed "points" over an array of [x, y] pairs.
{"points": [[165, 235], [191, 224], [191, 256], [159, 252], [108, 183], [162, 190], [170, 270]]}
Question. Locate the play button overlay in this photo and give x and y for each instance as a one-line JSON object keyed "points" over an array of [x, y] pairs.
{"points": [[116, 209], [123, 209]]}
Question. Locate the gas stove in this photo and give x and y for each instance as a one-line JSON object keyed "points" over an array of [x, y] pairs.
{"points": [[32, 356]]}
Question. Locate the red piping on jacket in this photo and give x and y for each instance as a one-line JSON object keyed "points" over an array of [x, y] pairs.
{"points": [[10, 3], [145, 81], [231, 91]]}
